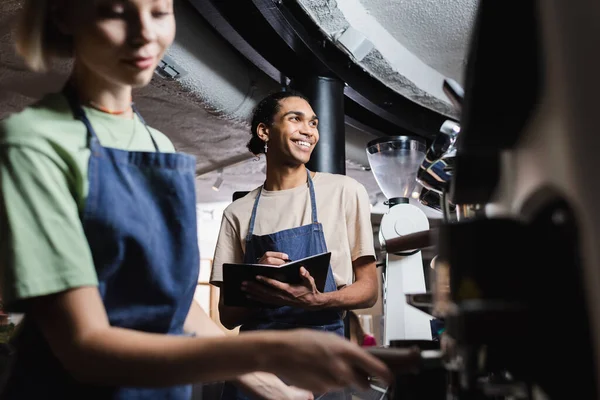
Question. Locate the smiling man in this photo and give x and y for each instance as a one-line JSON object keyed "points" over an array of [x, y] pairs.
{"points": [[295, 214]]}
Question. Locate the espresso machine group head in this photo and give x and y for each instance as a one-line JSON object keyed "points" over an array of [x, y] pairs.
{"points": [[518, 283], [435, 172]]}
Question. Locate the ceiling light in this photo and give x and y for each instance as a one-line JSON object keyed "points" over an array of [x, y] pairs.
{"points": [[217, 185], [355, 43], [167, 68]]}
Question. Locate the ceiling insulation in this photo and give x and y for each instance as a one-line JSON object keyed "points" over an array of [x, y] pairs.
{"points": [[416, 44]]}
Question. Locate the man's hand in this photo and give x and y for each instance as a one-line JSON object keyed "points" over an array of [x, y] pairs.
{"points": [[265, 386], [271, 291], [274, 258]]}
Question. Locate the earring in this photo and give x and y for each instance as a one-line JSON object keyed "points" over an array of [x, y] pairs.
{"points": [[266, 147]]}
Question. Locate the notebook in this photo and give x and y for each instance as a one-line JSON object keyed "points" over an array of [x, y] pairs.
{"points": [[234, 274]]}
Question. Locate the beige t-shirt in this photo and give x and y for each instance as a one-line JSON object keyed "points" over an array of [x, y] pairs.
{"points": [[342, 208]]}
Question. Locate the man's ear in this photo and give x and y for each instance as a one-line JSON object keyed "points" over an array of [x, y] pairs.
{"points": [[263, 132]]}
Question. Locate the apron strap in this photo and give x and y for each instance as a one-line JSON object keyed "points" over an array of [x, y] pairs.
{"points": [[313, 202], [143, 121], [79, 113], [253, 216]]}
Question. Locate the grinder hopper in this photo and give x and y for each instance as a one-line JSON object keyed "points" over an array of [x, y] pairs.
{"points": [[394, 162]]}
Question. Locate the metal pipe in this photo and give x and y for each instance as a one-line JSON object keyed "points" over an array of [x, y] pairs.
{"points": [[326, 96], [412, 241]]}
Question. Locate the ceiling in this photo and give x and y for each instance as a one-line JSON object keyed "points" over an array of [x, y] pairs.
{"points": [[433, 30], [416, 44], [205, 113]]}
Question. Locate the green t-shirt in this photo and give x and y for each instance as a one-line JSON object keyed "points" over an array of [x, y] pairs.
{"points": [[43, 177]]}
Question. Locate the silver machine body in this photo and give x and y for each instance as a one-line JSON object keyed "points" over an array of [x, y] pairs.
{"points": [[517, 276]]}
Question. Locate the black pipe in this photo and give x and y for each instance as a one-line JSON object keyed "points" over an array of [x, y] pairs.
{"points": [[326, 97]]}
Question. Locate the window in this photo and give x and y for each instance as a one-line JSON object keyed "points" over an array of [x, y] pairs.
{"points": [[207, 295], [205, 292]]}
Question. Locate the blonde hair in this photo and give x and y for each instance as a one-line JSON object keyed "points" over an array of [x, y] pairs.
{"points": [[39, 38]]}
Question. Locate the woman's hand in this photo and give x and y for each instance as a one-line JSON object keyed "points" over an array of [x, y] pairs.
{"points": [[266, 386], [322, 362]]}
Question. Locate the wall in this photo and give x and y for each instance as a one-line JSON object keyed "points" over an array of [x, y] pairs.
{"points": [[209, 222]]}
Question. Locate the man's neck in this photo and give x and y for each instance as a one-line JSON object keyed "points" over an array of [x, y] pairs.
{"points": [[93, 89], [280, 177]]}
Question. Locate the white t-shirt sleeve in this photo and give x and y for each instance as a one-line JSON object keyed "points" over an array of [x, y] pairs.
{"points": [[228, 250]]}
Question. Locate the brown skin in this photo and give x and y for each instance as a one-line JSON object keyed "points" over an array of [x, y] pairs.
{"points": [[108, 36], [296, 121]]}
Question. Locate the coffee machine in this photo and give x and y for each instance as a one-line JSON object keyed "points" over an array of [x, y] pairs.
{"points": [[521, 308], [517, 283]]}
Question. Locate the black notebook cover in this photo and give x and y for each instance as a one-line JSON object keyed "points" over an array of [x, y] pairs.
{"points": [[234, 274]]}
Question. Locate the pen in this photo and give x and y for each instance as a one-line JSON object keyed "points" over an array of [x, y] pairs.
{"points": [[288, 260]]}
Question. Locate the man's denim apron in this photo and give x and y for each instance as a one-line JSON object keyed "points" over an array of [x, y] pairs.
{"points": [[297, 243], [140, 223]]}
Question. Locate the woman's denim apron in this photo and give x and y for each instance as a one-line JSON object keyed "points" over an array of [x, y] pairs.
{"points": [[140, 223]]}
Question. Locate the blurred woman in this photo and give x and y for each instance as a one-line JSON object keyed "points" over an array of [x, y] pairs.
{"points": [[98, 244]]}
